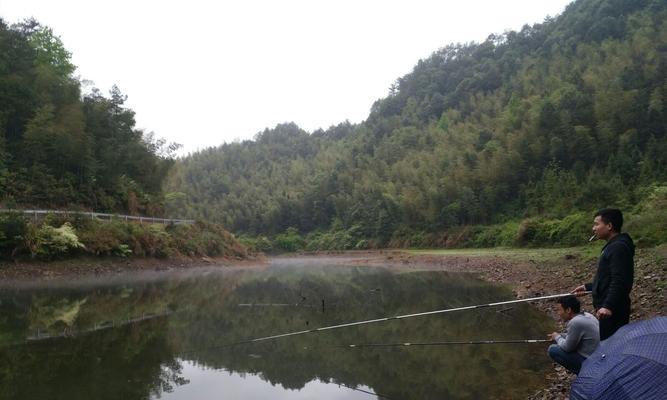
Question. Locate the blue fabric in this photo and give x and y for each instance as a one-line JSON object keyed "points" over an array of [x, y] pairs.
{"points": [[630, 365], [571, 361]]}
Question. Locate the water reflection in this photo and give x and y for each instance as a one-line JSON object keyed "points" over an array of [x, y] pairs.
{"points": [[205, 383], [166, 338]]}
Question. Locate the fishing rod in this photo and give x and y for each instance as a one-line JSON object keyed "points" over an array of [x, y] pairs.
{"points": [[397, 317], [448, 343]]}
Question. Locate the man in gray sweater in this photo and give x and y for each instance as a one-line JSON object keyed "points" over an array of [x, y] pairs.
{"points": [[580, 340]]}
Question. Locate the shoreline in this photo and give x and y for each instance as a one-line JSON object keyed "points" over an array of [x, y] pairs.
{"points": [[541, 272]]}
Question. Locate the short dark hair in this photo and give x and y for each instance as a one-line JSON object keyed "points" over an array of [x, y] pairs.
{"points": [[611, 216], [570, 302]]}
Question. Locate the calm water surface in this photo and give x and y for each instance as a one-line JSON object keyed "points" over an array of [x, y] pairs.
{"points": [[164, 337]]}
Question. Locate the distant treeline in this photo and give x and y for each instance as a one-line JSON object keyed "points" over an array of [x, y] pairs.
{"points": [[60, 147], [543, 125]]}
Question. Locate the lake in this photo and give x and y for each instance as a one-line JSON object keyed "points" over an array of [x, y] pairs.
{"points": [[167, 336]]}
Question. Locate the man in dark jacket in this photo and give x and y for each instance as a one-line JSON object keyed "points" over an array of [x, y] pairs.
{"points": [[613, 279]]}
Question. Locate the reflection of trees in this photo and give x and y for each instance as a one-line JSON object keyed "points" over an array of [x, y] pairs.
{"points": [[459, 372], [54, 314], [170, 375], [82, 309], [127, 363], [139, 360]]}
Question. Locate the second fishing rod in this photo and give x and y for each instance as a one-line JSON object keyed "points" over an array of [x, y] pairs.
{"points": [[384, 319]]}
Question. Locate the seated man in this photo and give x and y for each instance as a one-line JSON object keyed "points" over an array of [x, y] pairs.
{"points": [[581, 339]]}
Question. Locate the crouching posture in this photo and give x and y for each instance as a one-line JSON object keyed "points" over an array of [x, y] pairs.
{"points": [[581, 338]]}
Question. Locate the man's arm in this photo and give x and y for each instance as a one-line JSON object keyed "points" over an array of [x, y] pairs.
{"points": [[570, 342], [582, 289]]}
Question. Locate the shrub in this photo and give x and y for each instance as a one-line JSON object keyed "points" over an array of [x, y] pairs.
{"points": [[211, 243], [289, 241], [56, 242], [507, 236], [106, 238], [263, 244], [528, 231], [407, 237], [114, 238], [337, 238], [205, 239], [149, 240], [535, 232], [315, 241], [571, 230], [460, 236], [56, 220], [648, 223], [184, 241], [362, 245], [486, 237]]}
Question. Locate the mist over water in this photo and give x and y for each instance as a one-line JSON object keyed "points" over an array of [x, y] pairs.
{"points": [[165, 337]]}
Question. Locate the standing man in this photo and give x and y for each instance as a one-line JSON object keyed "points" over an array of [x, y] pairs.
{"points": [[581, 339], [613, 279]]}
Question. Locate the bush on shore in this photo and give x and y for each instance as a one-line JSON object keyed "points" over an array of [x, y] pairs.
{"points": [[53, 242], [647, 225], [60, 236]]}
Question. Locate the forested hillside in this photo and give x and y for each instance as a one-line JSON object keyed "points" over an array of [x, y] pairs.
{"points": [[62, 148], [551, 122]]}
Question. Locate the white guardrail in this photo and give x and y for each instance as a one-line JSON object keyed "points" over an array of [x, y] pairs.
{"points": [[102, 216]]}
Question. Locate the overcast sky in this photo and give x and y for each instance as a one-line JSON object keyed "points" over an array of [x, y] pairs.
{"points": [[201, 73]]}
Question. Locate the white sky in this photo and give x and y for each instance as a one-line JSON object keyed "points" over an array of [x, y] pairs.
{"points": [[201, 73]]}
